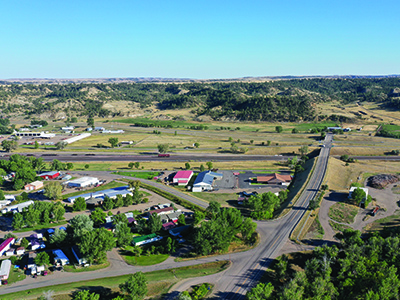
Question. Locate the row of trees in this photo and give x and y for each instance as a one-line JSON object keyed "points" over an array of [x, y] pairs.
{"points": [[357, 269], [38, 213], [263, 206]]}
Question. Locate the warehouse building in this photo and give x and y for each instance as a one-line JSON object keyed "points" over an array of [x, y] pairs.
{"points": [[83, 182]]}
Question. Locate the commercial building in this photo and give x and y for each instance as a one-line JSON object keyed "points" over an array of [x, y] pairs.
{"points": [[182, 177], [204, 181], [33, 186], [77, 138], [83, 182], [49, 175], [112, 193], [4, 246], [5, 269], [42, 134]]}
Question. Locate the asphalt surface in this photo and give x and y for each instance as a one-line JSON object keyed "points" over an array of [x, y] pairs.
{"points": [[247, 267]]}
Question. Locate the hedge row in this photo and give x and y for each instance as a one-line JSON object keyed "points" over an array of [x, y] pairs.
{"points": [[173, 198]]}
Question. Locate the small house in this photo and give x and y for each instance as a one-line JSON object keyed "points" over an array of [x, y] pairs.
{"points": [[33, 186], [60, 258], [5, 269], [20, 251], [161, 211], [145, 239], [173, 217], [168, 226], [49, 175], [178, 230], [10, 252]]}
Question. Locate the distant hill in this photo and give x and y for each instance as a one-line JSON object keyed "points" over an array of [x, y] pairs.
{"points": [[249, 99]]}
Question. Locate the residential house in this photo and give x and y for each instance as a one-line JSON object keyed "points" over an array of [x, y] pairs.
{"points": [[173, 217], [178, 230], [168, 226], [20, 251], [161, 211], [60, 258], [10, 252], [78, 256]]}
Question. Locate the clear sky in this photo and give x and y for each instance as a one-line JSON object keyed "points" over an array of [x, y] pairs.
{"points": [[198, 39]]}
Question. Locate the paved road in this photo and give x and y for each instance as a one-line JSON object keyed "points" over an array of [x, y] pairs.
{"points": [[247, 266]]}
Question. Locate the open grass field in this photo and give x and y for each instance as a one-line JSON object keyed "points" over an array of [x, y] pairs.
{"points": [[338, 227], [343, 212], [71, 268], [339, 176], [143, 260], [195, 165], [143, 175], [158, 283]]}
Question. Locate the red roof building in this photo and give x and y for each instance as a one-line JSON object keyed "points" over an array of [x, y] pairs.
{"points": [[182, 177], [49, 175]]}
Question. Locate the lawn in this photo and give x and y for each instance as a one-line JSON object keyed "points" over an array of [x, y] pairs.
{"points": [[16, 275], [138, 174], [110, 185], [71, 268], [40, 226], [158, 282], [343, 213], [143, 260]]}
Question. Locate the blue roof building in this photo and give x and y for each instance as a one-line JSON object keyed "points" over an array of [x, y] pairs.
{"points": [[112, 193], [204, 180]]}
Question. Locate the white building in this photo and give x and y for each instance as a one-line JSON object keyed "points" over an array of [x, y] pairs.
{"points": [[17, 208], [83, 182], [5, 269], [77, 138], [113, 131], [353, 188], [60, 258], [68, 128], [42, 134]]}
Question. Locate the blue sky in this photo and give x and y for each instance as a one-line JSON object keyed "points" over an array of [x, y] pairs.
{"points": [[198, 39]]}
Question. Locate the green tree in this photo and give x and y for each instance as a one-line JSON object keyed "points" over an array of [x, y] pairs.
{"points": [[2, 197], [181, 220], [248, 228], [24, 243], [128, 200], [187, 166], [53, 190], [135, 287], [95, 243], [294, 130], [39, 164], [113, 141], [154, 223], [278, 129], [118, 201], [202, 169], [58, 212], [81, 225], [18, 221], [57, 165], [42, 259], [184, 296], [163, 148], [358, 196], [108, 203], [260, 292], [98, 216], [90, 122], [36, 145], [79, 204], [61, 145], [58, 237], [197, 145], [137, 165], [69, 166], [198, 216], [130, 165], [123, 234], [9, 146], [87, 166], [85, 295], [214, 208], [303, 150]]}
